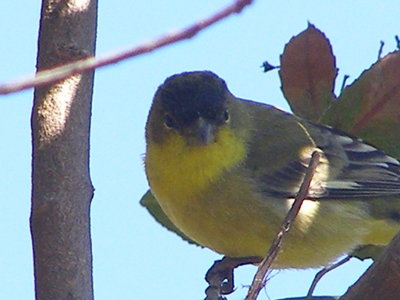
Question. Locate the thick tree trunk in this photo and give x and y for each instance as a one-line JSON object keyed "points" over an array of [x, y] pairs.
{"points": [[61, 186]]}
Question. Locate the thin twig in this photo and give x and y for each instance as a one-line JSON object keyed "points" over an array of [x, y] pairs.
{"points": [[259, 279], [61, 72], [322, 273]]}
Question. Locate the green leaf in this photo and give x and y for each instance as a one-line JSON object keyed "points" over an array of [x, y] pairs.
{"points": [[308, 72], [370, 107], [152, 206]]}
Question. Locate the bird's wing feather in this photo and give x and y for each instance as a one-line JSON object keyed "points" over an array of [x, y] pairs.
{"points": [[350, 169], [365, 172]]}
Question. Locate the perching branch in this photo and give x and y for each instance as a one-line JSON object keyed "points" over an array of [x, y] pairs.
{"points": [[220, 275], [260, 276], [89, 63]]}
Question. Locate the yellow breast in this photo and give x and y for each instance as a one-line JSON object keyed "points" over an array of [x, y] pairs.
{"points": [[177, 172]]}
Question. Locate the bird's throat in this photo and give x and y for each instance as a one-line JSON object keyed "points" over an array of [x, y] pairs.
{"points": [[178, 172]]}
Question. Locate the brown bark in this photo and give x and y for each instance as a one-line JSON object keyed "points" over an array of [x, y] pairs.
{"points": [[61, 186], [382, 279]]}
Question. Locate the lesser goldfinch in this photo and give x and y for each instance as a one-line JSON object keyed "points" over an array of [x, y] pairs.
{"points": [[226, 170]]}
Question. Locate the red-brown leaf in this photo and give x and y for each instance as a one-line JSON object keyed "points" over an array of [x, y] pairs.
{"points": [[308, 72], [370, 107]]}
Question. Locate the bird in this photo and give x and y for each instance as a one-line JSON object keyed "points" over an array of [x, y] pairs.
{"points": [[226, 170]]}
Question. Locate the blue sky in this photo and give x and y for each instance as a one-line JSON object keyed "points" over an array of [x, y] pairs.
{"points": [[134, 257]]}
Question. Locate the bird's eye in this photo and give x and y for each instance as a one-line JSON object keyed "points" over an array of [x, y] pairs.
{"points": [[169, 122], [225, 116]]}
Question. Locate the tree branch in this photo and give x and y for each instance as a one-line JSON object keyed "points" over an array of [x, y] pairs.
{"points": [[260, 276], [323, 272], [61, 185], [382, 279], [89, 63]]}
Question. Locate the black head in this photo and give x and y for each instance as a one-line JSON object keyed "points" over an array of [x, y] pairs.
{"points": [[186, 97]]}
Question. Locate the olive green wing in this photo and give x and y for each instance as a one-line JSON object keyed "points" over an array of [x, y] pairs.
{"points": [[356, 169], [280, 149]]}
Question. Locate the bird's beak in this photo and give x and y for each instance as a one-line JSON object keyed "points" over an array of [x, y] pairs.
{"points": [[202, 133]]}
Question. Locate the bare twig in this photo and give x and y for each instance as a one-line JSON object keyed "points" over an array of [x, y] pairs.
{"points": [[259, 278], [324, 271], [61, 72]]}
